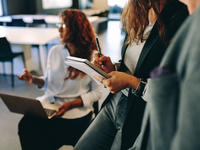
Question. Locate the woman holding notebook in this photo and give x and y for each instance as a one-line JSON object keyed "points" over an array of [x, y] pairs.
{"points": [[64, 86], [150, 26]]}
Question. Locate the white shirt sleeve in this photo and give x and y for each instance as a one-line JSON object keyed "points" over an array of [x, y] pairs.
{"points": [[90, 97]]}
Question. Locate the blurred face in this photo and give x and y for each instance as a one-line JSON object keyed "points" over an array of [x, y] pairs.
{"points": [[62, 30]]}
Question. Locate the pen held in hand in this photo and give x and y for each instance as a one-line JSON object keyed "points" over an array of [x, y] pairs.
{"points": [[98, 47]]}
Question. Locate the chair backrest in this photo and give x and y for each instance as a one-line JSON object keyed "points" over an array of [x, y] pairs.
{"points": [[5, 48], [17, 22], [38, 22]]}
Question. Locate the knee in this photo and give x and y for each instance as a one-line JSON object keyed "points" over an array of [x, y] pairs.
{"points": [[25, 125], [22, 125]]}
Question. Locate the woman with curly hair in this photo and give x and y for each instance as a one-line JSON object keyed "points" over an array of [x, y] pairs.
{"points": [[64, 86], [150, 26]]}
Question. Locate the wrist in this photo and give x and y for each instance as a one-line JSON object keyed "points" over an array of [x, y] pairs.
{"points": [[76, 103], [70, 105], [38, 81], [133, 82], [139, 91]]}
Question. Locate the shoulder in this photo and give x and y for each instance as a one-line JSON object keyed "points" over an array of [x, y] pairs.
{"points": [[175, 7], [58, 50], [174, 13], [173, 16], [185, 44]]}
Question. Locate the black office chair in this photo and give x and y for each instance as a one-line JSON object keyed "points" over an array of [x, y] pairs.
{"points": [[6, 55], [17, 23], [38, 23]]}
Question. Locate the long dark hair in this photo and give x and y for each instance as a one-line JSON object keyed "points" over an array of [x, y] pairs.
{"points": [[135, 18], [80, 34]]}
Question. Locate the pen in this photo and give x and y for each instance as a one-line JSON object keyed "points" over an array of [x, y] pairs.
{"points": [[98, 47]]}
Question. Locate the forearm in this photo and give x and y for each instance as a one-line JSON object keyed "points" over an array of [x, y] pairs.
{"points": [[76, 103], [38, 81]]}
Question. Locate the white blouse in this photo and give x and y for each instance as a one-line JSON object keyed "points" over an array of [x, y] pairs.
{"points": [[59, 90], [133, 52], [132, 55]]}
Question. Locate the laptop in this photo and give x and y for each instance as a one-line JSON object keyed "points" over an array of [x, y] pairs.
{"points": [[24, 105]]}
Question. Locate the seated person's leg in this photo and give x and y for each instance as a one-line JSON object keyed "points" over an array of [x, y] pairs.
{"points": [[33, 135], [41, 134]]}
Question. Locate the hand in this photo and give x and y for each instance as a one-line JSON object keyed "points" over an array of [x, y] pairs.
{"points": [[27, 76], [65, 107], [103, 63], [119, 81]]}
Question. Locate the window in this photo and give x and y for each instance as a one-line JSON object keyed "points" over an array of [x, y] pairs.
{"points": [[1, 9], [115, 8], [52, 4]]}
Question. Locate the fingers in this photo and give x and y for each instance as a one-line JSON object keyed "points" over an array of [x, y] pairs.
{"points": [[107, 83], [96, 55], [65, 107], [96, 63], [60, 112], [99, 78], [20, 77], [101, 59], [104, 59]]}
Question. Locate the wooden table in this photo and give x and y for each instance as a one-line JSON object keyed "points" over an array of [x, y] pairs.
{"points": [[50, 19], [26, 36]]}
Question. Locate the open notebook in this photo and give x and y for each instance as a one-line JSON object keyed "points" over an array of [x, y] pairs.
{"points": [[85, 66]]}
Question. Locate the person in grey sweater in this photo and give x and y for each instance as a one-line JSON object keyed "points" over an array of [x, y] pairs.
{"points": [[171, 120]]}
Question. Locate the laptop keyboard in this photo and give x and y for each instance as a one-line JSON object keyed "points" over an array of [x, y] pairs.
{"points": [[49, 112]]}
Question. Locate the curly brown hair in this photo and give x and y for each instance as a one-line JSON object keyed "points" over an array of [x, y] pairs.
{"points": [[80, 34], [135, 18]]}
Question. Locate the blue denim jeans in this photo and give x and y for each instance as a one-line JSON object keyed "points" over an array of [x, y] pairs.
{"points": [[104, 133]]}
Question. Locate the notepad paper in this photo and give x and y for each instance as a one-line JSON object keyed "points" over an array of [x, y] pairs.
{"points": [[85, 66]]}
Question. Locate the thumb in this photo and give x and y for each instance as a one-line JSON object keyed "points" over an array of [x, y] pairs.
{"points": [[99, 78], [19, 77], [60, 112]]}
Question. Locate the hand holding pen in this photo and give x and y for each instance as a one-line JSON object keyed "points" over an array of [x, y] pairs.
{"points": [[101, 61]]}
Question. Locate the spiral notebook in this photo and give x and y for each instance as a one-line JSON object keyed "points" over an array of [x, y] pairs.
{"points": [[86, 66]]}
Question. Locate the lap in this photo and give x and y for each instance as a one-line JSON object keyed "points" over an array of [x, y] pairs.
{"points": [[55, 130]]}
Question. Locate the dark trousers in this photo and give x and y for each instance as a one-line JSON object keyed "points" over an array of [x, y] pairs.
{"points": [[39, 134]]}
